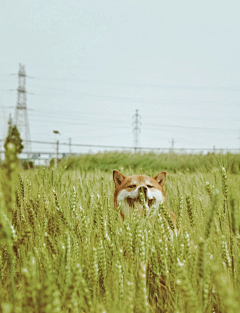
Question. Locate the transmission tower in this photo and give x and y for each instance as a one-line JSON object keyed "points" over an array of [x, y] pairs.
{"points": [[21, 118], [136, 130]]}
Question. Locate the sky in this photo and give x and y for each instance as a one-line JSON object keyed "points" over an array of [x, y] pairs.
{"points": [[91, 64]]}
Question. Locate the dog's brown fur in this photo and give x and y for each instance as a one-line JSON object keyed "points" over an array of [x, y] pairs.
{"points": [[126, 189]]}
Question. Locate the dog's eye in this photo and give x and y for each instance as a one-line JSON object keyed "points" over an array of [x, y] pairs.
{"points": [[149, 186], [132, 186]]}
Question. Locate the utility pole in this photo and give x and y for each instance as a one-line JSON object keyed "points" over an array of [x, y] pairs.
{"points": [[56, 157], [173, 141], [136, 130], [70, 144], [56, 132], [21, 118]]}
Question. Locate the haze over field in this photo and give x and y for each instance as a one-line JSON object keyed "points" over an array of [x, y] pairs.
{"points": [[91, 64]]}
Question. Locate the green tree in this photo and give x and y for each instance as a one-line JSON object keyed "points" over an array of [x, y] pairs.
{"points": [[14, 137]]}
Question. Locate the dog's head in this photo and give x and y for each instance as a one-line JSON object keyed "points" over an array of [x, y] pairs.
{"points": [[128, 189]]}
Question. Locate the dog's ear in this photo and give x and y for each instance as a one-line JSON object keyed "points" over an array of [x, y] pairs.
{"points": [[161, 178], [118, 178]]}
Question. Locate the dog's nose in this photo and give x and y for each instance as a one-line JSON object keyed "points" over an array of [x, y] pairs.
{"points": [[144, 190]]}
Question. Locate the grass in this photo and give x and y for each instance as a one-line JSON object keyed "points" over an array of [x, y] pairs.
{"points": [[151, 162], [64, 247]]}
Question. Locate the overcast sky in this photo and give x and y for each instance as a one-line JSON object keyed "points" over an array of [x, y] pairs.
{"points": [[92, 63]]}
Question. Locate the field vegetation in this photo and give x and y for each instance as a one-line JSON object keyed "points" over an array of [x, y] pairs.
{"points": [[151, 162], [64, 248]]}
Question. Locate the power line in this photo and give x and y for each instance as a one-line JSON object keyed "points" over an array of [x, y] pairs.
{"points": [[140, 85], [153, 127], [106, 124], [122, 147], [71, 94], [148, 126], [76, 117], [155, 85], [156, 127]]}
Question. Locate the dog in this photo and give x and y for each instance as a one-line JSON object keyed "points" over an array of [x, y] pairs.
{"points": [[128, 189], [127, 196]]}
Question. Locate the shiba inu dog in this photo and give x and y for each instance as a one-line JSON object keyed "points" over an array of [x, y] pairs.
{"points": [[128, 189], [127, 195]]}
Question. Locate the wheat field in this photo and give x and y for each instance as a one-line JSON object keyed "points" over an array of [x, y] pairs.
{"points": [[64, 248]]}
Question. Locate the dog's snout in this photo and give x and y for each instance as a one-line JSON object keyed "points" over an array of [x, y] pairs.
{"points": [[143, 189]]}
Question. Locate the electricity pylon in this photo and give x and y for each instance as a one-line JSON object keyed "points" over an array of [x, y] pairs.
{"points": [[136, 130], [21, 117]]}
